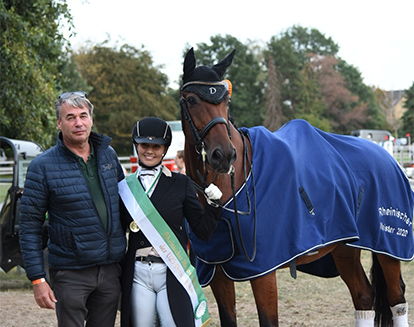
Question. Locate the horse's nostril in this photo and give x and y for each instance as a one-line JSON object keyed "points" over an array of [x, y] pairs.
{"points": [[234, 156], [217, 154]]}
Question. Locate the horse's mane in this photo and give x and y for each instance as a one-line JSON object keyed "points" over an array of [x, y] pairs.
{"points": [[232, 121]]}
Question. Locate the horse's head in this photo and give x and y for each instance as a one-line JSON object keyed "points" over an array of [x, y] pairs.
{"points": [[204, 112]]}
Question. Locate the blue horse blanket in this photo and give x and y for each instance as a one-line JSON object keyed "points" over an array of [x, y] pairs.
{"points": [[309, 189]]}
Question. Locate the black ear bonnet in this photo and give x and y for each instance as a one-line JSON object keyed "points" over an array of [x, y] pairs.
{"points": [[206, 81]]}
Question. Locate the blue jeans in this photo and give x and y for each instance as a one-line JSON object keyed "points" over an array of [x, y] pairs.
{"points": [[89, 294], [149, 301]]}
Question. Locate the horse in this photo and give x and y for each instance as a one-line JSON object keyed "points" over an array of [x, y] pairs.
{"points": [[218, 152]]}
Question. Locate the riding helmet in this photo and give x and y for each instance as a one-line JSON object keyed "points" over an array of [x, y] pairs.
{"points": [[152, 130]]}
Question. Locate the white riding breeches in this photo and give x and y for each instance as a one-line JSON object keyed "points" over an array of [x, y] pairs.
{"points": [[149, 301]]}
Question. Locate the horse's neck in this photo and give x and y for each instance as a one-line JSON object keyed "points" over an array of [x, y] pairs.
{"points": [[242, 165]]}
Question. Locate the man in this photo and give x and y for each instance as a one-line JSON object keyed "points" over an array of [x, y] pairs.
{"points": [[76, 184]]}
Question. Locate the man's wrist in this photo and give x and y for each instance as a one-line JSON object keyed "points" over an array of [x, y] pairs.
{"points": [[38, 281]]}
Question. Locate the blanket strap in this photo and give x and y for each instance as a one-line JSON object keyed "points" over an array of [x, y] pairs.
{"points": [[307, 201], [292, 267]]}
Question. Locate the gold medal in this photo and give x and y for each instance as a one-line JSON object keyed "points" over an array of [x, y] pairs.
{"points": [[134, 227]]}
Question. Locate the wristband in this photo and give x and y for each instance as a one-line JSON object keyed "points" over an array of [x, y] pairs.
{"points": [[38, 281]]}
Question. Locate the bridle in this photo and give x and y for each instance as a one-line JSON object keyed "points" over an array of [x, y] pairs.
{"points": [[198, 141]]}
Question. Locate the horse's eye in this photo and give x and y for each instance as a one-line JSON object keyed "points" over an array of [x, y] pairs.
{"points": [[192, 101]]}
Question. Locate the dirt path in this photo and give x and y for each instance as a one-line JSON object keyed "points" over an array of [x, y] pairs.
{"points": [[307, 302], [18, 308]]}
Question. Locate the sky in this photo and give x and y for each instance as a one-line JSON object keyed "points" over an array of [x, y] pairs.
{"points": [[375, 36]]}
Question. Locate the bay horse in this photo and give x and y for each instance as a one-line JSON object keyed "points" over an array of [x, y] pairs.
{"points": [[218, 152]]}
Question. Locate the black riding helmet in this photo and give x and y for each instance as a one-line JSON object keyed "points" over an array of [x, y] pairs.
{"points": [[152, 130]]}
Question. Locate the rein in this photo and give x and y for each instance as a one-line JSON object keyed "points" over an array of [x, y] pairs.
{"points": [[198, 139], [236, 212]]}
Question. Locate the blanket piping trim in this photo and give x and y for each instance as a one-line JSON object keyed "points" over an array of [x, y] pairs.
{"points": [[348, 239]]}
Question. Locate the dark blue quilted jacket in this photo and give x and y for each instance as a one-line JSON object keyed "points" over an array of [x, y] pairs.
{"points": [[77, 237]]}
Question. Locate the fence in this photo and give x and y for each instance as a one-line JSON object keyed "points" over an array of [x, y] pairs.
{"points": [[130, 164], [404, 154]]}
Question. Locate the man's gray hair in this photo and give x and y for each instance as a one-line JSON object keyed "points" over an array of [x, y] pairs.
{"points": [[75, 101]]}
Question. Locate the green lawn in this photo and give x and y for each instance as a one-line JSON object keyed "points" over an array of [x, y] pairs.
{"points": [[4, 187]]}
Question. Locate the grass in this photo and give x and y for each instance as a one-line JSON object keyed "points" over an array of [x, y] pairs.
{"points": [[14, 279], [4, 187]]}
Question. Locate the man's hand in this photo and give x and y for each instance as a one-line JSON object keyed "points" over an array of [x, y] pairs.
{"points": [[44, 295]]}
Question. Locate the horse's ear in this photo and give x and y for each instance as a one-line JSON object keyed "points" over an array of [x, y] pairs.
{"points": [[221, 67], [189, 62]]}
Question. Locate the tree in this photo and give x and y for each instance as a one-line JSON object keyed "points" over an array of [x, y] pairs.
{"points": [[274, 115], [310, 105], [288, 67], [70, 76], [374, 116], [386, 103], [126, 87], [408, 117], [343, 110], [245, 74], [305, 40], [348, 104], [290, 51], [31, 50]]}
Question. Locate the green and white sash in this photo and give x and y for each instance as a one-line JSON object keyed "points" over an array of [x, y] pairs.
{"points": [[165, 243]]}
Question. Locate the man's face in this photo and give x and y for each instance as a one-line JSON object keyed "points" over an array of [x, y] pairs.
{"points": [[75, 124]]}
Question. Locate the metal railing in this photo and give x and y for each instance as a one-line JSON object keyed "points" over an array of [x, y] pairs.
{"points": [[404, 154], [6, 168], [126, 163]]}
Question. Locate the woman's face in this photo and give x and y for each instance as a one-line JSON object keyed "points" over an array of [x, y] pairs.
{"points": [[150, 154], [179, 162]]}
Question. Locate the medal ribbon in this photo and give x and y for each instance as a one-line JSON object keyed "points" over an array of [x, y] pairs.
{"points": [[165, 243], [153, 183]]}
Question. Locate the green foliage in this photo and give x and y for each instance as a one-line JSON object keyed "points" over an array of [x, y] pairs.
{"points": [[125, 88], [291, 48], [375, 118], [309, 81], [288, 67], [327, 91], [304, 41], [274, 115], [310, 105], [30, 50], [291, 52], [244, 73], [408, 117], [71, 78]]}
